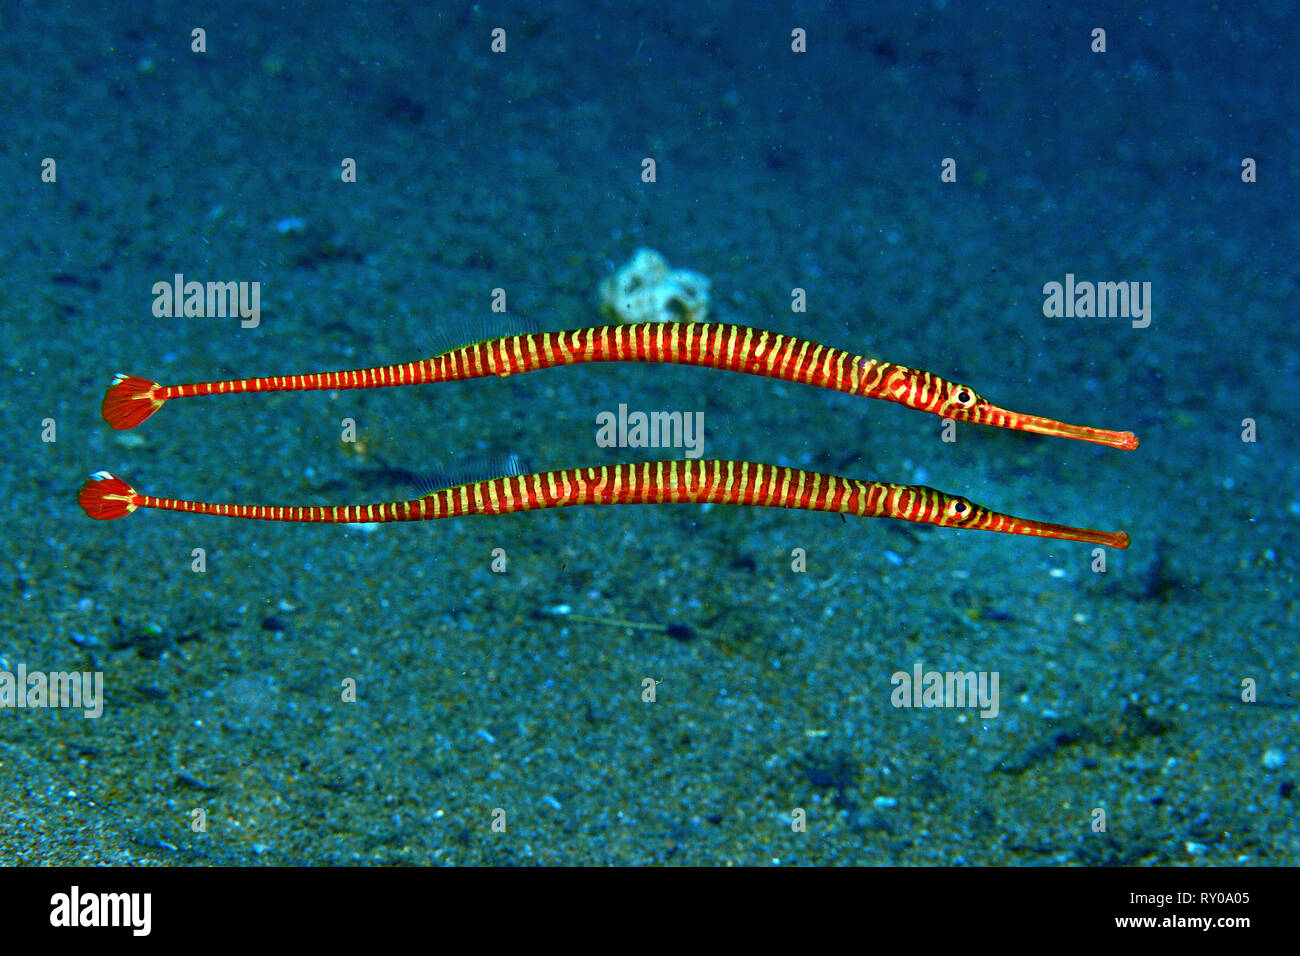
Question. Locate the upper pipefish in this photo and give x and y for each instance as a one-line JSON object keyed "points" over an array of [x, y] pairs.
{"points": [[737, 348], [105, 496]]}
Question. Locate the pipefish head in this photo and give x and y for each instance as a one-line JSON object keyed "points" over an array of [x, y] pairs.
{"points": [[962, 403], [954, 511]]}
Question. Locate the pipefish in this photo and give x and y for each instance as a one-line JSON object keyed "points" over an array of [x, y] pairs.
{"points": [[104, 496], [131, 399]]}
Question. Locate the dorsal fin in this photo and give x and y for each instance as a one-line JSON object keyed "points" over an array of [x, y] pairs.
{"points": [[457, 335], [467, 472]]}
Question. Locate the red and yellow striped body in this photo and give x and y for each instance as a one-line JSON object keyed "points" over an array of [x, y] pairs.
{"points": [[737, 348], [658, 482]]}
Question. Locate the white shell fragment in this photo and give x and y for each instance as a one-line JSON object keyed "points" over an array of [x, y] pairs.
{"points": [[646, 290]]}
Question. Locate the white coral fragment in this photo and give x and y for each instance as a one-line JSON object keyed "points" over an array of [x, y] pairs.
{"points": [[646, 290]]}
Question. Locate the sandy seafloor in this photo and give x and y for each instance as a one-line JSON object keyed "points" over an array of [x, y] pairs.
{"points": [[1120, 691]]}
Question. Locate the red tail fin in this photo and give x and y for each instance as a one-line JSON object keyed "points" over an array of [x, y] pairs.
{"points": [[104, 497], [129, 401]]}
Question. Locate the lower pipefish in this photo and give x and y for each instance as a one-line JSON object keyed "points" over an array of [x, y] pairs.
{"points": [[105, 496], [737, 348]]}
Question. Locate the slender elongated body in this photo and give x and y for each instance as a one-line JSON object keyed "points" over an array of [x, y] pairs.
{"points": [[737, 348], [104, 496]]}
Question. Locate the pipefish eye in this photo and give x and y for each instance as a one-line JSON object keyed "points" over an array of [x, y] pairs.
{"points": [[963, 396], [959, 509]]}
